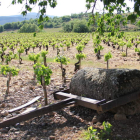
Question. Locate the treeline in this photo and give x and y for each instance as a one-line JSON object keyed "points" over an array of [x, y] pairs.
{"points": [[55, 22], [74, 23]]}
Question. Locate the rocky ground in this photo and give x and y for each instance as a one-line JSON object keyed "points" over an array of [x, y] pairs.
{"points": [[68, 123]]}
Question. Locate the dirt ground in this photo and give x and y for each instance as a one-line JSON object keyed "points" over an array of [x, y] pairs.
{"points": [[68, 123]]}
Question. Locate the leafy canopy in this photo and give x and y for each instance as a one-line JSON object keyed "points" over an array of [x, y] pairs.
{"points": [[5, 69], [62, 59], [41, 70], [107, 56]]}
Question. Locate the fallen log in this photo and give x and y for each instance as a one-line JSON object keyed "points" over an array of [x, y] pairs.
{"points": [[36, 113]]}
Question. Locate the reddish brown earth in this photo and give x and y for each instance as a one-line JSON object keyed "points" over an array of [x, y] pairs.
{"points": [[70, 122]]}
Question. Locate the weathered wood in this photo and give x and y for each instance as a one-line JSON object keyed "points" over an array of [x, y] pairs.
{"points": [[119, 101], [100, 105], [83, 101], [25, 105], [38, 112]]}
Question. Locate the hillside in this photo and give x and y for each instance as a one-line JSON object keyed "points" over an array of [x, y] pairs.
{"points": [[18, 18]]}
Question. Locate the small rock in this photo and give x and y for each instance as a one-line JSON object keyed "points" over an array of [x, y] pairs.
{"points": [[22, 89], [31, 88], [61, 88], [1, 99], [51, 113], [9, 116], [74, 127], [15, 83], [21, 86], [58, 84], [3, 105], [10, 105], [52, 137], [95, 119], [17, 132], [52, 79], [4, 113], [13, 129], [119, 117], [14, 114], [118, 135], [4, 130]]}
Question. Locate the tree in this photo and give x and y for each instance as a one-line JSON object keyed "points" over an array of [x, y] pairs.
{"points": [[1, 28], [67, 27], [34, 57], [8, 71], [63, 61], [43, 76], [109, 5], [28, 28], [107, 56], [66, 18], [80, 27], [8, 26]]}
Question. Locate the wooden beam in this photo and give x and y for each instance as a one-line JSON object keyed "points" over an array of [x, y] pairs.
{"points": [[83, 101], [101, 106], [36, 113], [119, 101], [25, 105]]}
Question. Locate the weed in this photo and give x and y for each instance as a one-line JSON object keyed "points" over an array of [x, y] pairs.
{"points": [[104, 134], [123, 54]]}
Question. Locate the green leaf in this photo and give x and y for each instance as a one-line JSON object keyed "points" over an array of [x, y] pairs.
{"points": [[41, 27], [24, 13]]}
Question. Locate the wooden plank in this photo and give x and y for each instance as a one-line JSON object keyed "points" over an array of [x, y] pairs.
{"points": [[25, 105], [38, 112], [28, 110], [101, 106], [83, 101], [119, 101]]}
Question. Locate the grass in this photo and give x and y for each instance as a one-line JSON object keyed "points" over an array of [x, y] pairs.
{"points": [[52, 30], [129, 67], [72, 62]]}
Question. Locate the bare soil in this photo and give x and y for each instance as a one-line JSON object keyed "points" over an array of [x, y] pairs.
{"points": [[68, 123]]}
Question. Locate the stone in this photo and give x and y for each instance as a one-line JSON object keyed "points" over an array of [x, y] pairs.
{"points": [[95, 119], [118, 135], [10, 105], [4, 113], [51, 113], [17, 132], [109, 84], [23, 89], [119, 117], [13, 129], [61, 88], [31, 87], [4, 130], [52, 137], [98, 83], [3, 105], [21, 86], [1, 99]]}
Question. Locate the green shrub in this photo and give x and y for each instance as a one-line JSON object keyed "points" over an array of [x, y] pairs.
{"points": [[94, 134]]}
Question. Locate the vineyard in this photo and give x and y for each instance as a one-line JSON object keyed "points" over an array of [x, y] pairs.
{"points": [[32, 63]]}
